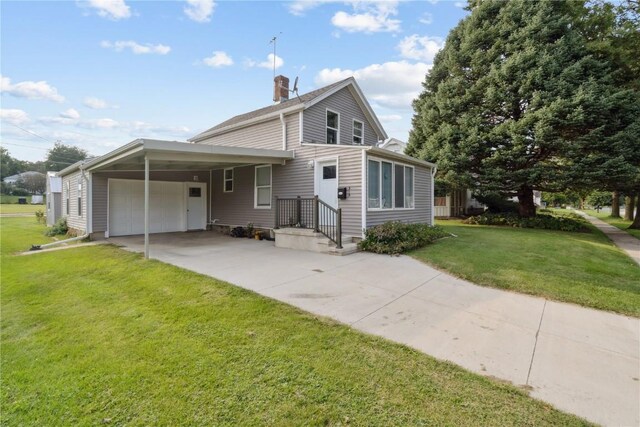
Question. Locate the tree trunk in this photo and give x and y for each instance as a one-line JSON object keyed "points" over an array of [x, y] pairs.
{"points": [[526, 207], [636, 222], [615, 205], [629, 206]]}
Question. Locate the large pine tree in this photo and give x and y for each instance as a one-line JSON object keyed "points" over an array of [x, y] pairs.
{"points": [[515, 102]]}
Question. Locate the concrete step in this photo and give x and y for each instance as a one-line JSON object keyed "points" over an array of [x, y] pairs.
{"points": [[309, 240]]}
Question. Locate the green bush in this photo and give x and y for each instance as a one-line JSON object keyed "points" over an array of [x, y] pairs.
{"points": [[395, 237], [565, 222], [59, 228], [40, 217]]}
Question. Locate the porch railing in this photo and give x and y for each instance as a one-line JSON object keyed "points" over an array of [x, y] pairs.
{"points": [[311, 213]]}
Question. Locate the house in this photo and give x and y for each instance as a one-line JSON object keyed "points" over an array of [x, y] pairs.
{"points": [[395, 145], [54, 198], [12, 179], [306, 162], [461, 202]]}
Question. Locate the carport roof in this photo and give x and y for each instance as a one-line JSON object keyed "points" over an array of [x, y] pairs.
{"points": [[175, 155]]}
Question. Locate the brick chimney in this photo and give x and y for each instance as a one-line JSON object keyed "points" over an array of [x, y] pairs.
{"points": [[280, 89]]}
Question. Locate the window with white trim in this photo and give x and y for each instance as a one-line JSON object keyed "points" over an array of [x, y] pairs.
{"points": [[79, 196], [358, 132], [228, 180], [389, 185], [67, 197], [333, 126], [262, 193]]}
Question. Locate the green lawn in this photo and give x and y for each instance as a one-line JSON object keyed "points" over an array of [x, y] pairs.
{"points": [[15, 208], [99, 335], [621, 223], [581, 268]]}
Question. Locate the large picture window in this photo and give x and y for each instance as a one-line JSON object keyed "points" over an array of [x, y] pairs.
{"points": [[389, 185], [333, 126], [263, 187]]}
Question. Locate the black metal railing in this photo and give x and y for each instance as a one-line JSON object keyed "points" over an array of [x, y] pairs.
{"points": [[311, 213]]}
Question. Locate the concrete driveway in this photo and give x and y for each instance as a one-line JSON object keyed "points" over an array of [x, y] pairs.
{"points": [[580, 360]]}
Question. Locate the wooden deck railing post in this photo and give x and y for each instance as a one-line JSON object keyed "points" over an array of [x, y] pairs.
{"points": [[339, 228], [316, 219]]}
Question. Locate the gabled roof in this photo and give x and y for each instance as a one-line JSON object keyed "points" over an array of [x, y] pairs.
{"points": [[295, 104]]}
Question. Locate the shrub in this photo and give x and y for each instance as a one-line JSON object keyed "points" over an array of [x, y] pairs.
{"points": [[59, 228], [566, 222], [497, 203], [40, 216], [395, 237]]}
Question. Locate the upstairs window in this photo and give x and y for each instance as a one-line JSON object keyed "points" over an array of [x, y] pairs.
{"points": [[333, 125], [228, 180], [358, 132]]}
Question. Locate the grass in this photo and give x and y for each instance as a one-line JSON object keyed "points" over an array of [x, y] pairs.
{"points": [[98, 335], [15, 208], [620, 223], [581, 268]]}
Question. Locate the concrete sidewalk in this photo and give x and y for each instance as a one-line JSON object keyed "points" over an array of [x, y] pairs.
{"points": [[620, 238], [580, 360]]}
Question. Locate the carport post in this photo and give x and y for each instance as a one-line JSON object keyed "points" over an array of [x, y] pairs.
{"points": [[146, 207]]}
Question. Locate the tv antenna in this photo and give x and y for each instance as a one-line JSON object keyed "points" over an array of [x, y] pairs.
{"points": [[295, 87], [274, 41]]}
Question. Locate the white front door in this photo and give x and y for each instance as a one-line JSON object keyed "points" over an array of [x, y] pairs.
{"points": [[196, 206], [327, 182]]}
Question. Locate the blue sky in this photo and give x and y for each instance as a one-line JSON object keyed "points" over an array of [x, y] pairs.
{"points": [[100, 73]]}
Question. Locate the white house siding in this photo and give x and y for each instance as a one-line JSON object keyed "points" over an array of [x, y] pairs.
{"points": [[267, 135], [423, 203], [294, 179], [101, 195], [74, 221], [343, 102]]}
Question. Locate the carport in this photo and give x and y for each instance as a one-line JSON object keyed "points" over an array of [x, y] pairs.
{"points": [[161, 208]]}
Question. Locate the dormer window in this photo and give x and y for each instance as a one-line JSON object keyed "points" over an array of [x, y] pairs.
{"points": [[333, 125], [358, 132]]}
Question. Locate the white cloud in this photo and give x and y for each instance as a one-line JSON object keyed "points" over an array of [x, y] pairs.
{"points": [[266, 64], [390, 117], [218, 59], [30, 90], [111, 9], [420, 48], [136, 48], [300, 7], [368, 17], [14, 116], [71, 113], [426, 18], [95, 103], [199, 10], [390, 85], [460, 4], [139, 128]]}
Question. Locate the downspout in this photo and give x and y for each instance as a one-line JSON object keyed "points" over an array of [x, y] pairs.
{"points": [[434, 170], [284, 132], [88, 203], [60, 242]]}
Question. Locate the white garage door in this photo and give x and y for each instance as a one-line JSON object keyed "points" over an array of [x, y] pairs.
{"points": [[167, 210]]}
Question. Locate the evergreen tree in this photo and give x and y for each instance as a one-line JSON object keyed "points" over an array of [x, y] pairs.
{"points": [[516, 102]]}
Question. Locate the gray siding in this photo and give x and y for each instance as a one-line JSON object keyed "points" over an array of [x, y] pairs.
{"points": [[423, 203], [100, 189], [291, 180], [267, 135], [74, 221], [343, 102]]}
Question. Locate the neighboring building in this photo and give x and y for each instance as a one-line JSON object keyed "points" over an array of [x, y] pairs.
{"points": [[11, 179], [244, 169], [395, 145], [53, 198], [457, 203]]}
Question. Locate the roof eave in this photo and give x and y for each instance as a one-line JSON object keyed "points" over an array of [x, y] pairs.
{"points": [[392, 154]]}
